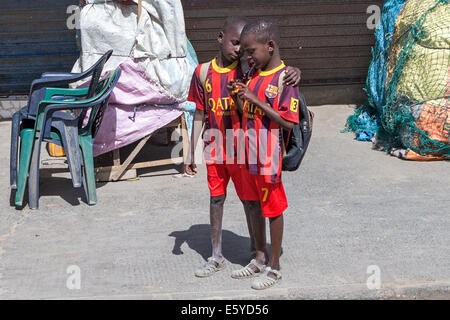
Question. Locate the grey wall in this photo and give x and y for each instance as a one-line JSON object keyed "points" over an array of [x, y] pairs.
{"points": [[34, 38], [333, 34]]}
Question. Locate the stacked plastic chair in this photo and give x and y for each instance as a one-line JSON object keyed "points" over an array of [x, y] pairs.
{"points": [[55, 125], [27, 124]]}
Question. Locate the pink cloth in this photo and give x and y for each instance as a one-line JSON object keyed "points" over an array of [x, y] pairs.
{"points": [[133, 88], [117, 130]]}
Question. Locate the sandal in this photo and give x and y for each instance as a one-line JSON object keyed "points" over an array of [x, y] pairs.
{"points": [[265, 281], [210, 267], [247, 271]]}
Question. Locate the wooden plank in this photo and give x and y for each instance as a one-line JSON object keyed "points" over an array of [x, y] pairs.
{"points": [[328, 63], [116, 157], [125, 164], [106, 175], [119, 171], [59, 65], [142, 165], [308, 20], [289, 32], [335, 73], [43, 51], [28, 36], [157, 163], [174, 123], [211, 4], [33, 4], [334, 94], [280, 9], [23, 62], [32, 27]]}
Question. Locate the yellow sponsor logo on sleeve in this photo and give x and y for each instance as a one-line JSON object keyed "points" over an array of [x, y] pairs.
{"points": [[294, 105]]}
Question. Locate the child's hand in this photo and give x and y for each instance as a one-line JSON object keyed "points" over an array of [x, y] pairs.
{"points": [[244, 93], [232, 89], [292, 76]]}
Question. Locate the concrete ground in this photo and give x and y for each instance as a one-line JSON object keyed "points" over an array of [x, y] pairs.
{"points": [[354, 214]]}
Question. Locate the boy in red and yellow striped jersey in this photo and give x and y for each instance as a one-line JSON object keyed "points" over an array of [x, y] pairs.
{"points": [[218, 112], [264, 113]]}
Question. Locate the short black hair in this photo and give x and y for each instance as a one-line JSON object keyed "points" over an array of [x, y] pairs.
{"points": [[263, 30], [232, 21]]}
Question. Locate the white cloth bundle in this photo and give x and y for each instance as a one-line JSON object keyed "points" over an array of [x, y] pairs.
{"points": [[157, 42]]}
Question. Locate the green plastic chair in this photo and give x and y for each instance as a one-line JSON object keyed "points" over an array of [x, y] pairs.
{"points": [[38, 91], [54, 125], [27, 133]]}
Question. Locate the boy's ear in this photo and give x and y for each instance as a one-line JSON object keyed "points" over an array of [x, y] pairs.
{"points": [[271, 45], [220, 37]]}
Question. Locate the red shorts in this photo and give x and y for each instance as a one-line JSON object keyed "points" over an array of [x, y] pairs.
{"points": [[219, 175], [271, 196]]}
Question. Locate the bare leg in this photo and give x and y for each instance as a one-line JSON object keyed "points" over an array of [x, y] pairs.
{"points": [[216, 262], [276, 237], [258, 228], [249, 206], [272, 273], [216, 215]]}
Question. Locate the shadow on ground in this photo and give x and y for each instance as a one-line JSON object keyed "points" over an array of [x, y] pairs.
{"points": [[235, 248], [56, 186]]}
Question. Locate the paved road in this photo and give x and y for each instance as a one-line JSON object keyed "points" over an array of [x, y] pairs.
{"points": [[351, 210]]}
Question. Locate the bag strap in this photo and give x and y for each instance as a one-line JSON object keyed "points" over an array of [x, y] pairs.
{"points": [[280, 83], [202, 77], [203, 74], [280, 91]]}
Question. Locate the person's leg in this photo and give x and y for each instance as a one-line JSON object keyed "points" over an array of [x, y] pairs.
{"points": [[247, 210], [257, 230], [218, 178], [276, 238], [247, 189], [271, 274], [247, 192], [273, 204], [216, 217], [217, 184]]}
